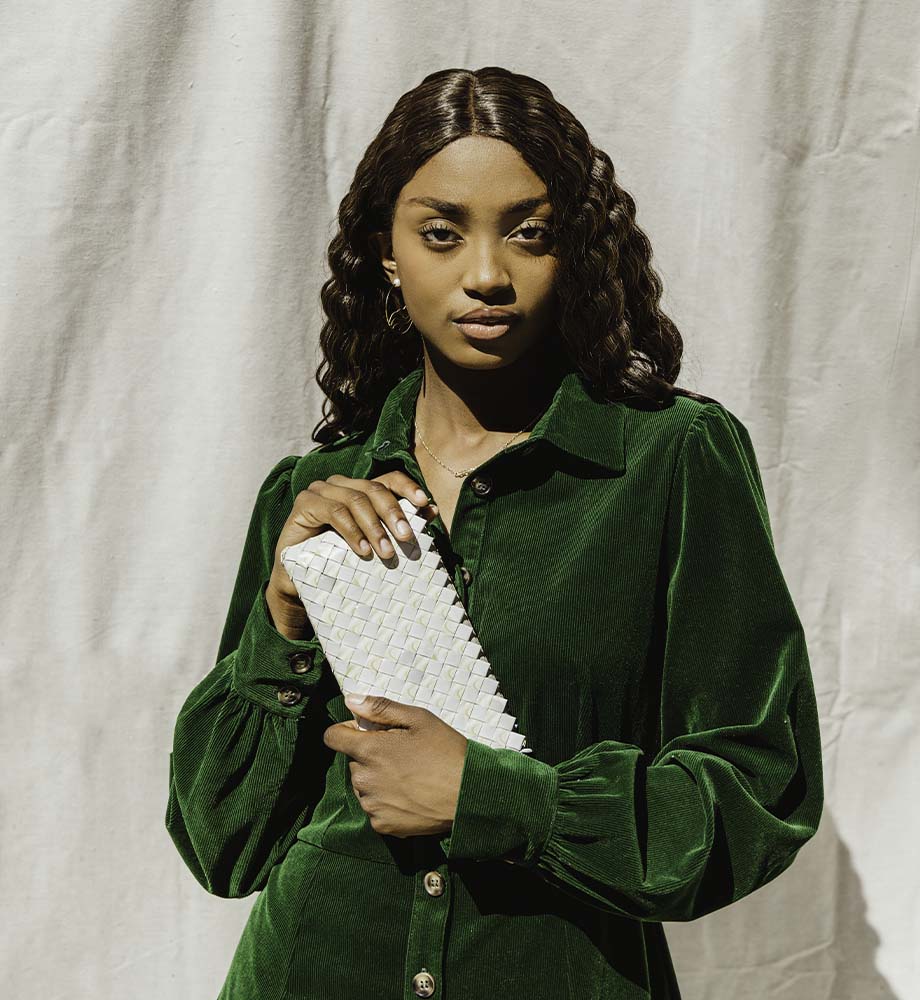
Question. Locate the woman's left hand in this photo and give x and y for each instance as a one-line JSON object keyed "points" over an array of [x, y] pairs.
{"points": [[406, 777]]}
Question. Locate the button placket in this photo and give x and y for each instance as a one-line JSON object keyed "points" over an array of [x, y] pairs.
{"points": [[473, 521], [427, 929]]}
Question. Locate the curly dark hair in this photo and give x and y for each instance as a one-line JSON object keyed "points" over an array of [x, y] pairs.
{"points": [[609, 321]]}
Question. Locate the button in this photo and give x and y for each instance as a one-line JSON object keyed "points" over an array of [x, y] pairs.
{"points": [[289, 695], [466, 574], [434, 883], [423, 983], [301, 661], [482, 485]]}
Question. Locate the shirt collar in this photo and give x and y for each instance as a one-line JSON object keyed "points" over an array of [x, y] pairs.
{"points": [[574, 421]]}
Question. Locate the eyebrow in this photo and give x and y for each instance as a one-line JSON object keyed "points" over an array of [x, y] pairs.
{"points": [[462, 211]]}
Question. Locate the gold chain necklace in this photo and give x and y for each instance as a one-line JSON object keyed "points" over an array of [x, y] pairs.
{"points": [[465, 472]]}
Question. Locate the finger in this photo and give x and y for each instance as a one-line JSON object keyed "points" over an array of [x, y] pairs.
{"points": [[337, 514], [405, 486], [339, 737], [354, 515], [379, 712], [375, 508], [357, 780]]}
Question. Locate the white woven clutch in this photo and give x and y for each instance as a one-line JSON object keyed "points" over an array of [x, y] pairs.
{"points": [[397, 627]]}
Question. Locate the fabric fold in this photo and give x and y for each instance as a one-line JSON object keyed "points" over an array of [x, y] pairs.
{"points": [[736, 785]]}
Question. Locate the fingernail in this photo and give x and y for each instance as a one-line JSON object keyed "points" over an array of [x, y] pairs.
{"points": [[420, 495], [355, 699], [403, 527]]}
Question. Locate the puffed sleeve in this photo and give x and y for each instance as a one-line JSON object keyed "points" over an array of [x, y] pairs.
{"points": [[736, 787], [240, 777]]}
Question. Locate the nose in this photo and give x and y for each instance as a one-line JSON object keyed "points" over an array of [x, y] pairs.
{"points": [[486, 273]]}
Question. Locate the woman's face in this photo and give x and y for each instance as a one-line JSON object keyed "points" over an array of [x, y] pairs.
{"points": [[469, 248]]}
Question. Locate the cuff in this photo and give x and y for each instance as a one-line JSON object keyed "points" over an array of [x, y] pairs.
{"points": [[505, 807], [272, 670]]}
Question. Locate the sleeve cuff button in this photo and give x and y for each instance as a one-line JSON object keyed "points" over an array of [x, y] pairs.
{"points": [[289, 695], [300, 662]]}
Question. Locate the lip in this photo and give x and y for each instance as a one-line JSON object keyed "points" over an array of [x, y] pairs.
{"points": [[485, 331], [475, 315]]}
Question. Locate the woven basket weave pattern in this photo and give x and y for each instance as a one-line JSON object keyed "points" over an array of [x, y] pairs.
{"points": [[397, 627]]}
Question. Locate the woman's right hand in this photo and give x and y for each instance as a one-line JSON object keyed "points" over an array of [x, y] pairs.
{"points": [[357, 509]]}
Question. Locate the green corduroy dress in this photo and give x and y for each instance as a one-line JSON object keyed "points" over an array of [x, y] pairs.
{"points": [[619, 569]]}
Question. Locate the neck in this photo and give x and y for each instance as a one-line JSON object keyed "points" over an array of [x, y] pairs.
{"points": [[459, 410]]}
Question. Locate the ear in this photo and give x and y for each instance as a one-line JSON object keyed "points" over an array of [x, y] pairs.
{"points": [[383, 244]]}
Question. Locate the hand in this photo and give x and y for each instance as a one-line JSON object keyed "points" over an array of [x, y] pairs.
{"points": [[360, 510], [407, 776]]}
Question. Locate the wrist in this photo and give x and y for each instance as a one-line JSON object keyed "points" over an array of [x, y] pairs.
{"points": [[280, 589], [287, 616]]}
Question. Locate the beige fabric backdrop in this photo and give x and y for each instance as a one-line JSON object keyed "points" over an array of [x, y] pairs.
{"points": [[170, 177]]}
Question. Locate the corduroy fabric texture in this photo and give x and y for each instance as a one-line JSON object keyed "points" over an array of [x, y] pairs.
{"points": [[624, 584]]}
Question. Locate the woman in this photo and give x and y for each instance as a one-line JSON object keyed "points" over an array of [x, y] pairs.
{"points": [[609, 536]]}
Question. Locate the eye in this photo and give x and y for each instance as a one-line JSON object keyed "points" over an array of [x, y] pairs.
{"points": [[536, 229], [541, 232], [433, 229]]}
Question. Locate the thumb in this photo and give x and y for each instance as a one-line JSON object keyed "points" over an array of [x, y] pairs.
{"points": [[378, 708]]}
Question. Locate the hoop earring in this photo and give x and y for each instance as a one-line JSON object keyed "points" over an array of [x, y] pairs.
{"points": [[389, 316]]}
